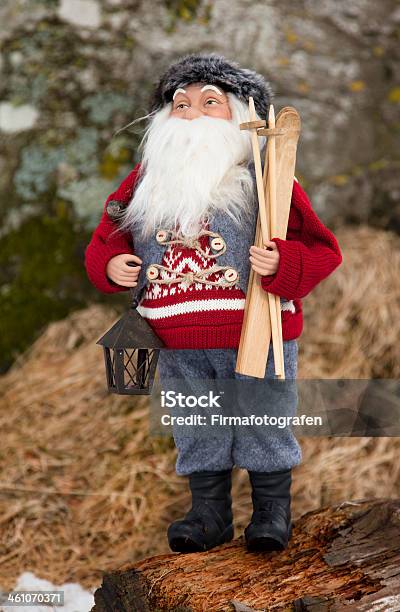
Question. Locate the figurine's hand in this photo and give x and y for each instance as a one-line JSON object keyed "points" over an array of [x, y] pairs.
{"points": [[265, 261], [121, 273]]}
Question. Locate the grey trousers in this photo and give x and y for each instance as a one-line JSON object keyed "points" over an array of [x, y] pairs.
{"points": [[259, 447]]}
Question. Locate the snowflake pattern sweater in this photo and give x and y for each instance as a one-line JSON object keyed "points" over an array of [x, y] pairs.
{"points": [[197, 315]]}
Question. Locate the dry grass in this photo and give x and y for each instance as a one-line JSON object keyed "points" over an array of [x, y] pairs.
{"points": [[84, 488], [352, 319]]}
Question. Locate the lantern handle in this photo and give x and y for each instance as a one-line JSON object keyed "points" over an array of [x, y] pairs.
{"points": [[134, 298]]}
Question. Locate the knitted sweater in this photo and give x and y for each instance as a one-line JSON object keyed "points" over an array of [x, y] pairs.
{"points": [[186, 312], [308, 255]]}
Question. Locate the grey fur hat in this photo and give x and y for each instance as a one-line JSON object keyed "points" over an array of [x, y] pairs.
{"points": [[215, 70]]}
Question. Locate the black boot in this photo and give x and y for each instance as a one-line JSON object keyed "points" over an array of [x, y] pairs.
{"points": [[270, 527], [209, 521]]}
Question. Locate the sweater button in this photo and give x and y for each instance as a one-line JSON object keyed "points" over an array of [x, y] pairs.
{"points": [[231, 275], [152, 273], [217, 244], [161, 236]]}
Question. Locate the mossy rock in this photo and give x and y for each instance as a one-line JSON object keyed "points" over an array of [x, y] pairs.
{"points": [[42, 279]]}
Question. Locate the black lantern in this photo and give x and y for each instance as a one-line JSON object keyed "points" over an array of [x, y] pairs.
{"points": [[131, 350]]}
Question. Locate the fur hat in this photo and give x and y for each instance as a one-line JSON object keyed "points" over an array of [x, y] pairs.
{"points": [[216, 70]]}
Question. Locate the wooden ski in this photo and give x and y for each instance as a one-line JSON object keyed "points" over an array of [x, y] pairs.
{"points": [[256, 329]]}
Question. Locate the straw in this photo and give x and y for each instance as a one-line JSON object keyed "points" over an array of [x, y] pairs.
{"points": [[84, 488]]}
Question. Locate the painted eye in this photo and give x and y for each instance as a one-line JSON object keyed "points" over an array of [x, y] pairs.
{"points": [[211, 101], [182, 105]]}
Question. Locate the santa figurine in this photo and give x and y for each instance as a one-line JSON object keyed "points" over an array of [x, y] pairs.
{"points": [[181, 229]]}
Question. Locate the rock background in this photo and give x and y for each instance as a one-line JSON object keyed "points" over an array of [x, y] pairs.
{"points": [[72, 72]]}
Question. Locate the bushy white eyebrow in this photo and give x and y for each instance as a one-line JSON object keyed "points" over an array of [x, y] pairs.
{"points": [[213, 87], [179, 90]]}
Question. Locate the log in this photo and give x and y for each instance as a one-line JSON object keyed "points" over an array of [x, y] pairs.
{"points": [[343, 557]]}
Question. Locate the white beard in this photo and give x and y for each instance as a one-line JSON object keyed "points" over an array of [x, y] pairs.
{"points": [[191, 169]]}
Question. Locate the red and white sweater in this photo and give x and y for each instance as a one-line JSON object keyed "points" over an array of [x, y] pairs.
{"points": [[195, 314], [198, 315]]}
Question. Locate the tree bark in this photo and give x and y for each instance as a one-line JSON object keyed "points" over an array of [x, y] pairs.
{"points": [[343, 557]]}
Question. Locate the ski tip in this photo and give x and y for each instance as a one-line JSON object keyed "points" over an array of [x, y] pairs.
{"points": [[271, 114]]}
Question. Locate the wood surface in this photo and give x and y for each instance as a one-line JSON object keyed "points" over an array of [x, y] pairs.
{"points": [[256, 328], [265, 232], [274, 301], [340, 558]]}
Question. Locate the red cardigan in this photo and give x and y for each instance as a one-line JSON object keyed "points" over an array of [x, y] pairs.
{"points": [[308, 255]]}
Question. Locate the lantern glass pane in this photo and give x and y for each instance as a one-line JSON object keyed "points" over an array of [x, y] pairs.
{"points": [[110, 367], [137, 368]]}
